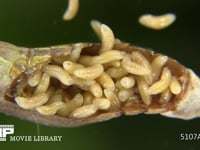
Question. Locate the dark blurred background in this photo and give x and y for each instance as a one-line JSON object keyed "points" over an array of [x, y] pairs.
{"points": [[37, 23]]}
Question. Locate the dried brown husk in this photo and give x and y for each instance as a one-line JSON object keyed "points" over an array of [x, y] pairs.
{"points": [[185, 105]]}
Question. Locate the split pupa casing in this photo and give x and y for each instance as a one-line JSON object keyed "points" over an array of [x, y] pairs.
{"points": [[16, 63]]}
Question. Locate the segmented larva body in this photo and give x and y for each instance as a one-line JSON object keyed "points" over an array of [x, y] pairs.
{"points": [[106, 81], [70, 106], [107, 38], [59, 73], [89, 73], [135, 67], [70, 66], [161, 85], [34, 79], [127, 82], [72, 10], [157, 22], [32, 102], [143, 90], [43, 84], [96, 90], [50, 109]]}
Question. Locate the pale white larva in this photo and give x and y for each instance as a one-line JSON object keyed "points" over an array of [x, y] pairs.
{"points": [[72, 10], [157, 22]]}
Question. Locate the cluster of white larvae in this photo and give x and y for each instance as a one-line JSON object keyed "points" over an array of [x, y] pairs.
{"points": [[100, 82]]}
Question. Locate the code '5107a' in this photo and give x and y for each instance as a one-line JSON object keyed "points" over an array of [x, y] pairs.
{"points": [[189, 136]]}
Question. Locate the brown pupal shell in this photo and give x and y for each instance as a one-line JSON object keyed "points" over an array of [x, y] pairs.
{"points": [[185, 105], [188, 106]]}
